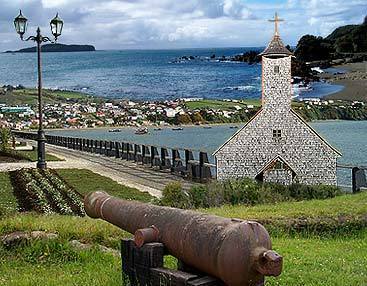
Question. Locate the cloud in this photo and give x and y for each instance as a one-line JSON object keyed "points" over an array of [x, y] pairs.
{"points": [[118, 24]]}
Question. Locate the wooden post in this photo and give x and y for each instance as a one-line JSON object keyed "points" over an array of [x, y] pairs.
{"points": [[136, 152], [143, 154], [123, 150], [163, 158], [117, 149]]}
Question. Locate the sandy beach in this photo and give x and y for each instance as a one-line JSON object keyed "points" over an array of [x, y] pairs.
{"points": [[354, 82]]}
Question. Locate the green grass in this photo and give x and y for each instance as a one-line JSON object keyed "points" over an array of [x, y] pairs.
{"points": [[56, 263], [30, 96], [355, 204], [85, 181], [324, 262], [220, 104], [32, 156], [307, 260], [8, 202], [225, 105], [84, 229]]}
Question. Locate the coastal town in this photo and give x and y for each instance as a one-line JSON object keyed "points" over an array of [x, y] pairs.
{"points": [[90, 112], [196, 144]]}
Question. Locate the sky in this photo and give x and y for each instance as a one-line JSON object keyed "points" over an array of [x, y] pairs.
{"points": [[167, 24]]}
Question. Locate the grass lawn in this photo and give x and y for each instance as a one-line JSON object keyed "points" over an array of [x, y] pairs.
{"points": [[15, 156], [324, 262], [8, 202], [32, 156], [56, 263], [85, 181], [307, 260], [350, 204]]}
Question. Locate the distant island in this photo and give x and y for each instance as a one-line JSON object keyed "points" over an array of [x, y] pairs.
{"points": [[58, 48]]}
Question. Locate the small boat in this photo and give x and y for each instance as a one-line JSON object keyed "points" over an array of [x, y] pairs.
{"points": [[157, 129], [233, 127], [207, 127], [177, 129], [141, 131], [114, 130]]}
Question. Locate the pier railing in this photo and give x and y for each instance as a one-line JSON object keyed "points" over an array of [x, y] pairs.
{"points": [[188, 163]]}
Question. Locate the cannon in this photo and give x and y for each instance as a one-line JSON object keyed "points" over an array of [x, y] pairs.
{"points": [[237, 252]]}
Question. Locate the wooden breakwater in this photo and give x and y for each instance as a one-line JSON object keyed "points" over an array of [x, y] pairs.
{"points": [[188, 163]]}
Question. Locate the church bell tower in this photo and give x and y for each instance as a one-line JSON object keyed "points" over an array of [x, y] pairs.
{"points": [[276, 74]]}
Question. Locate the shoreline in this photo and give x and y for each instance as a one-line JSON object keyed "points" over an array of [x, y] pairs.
{"points": [[354, 81], [238, 124]]}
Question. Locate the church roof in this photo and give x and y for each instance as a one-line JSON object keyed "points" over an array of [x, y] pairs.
{"points": [[292, 112], [276, 47]]}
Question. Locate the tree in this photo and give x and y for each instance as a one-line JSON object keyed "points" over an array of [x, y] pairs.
{"points": [[197, 118], [312, 48], [183, 119], [4, 138]]}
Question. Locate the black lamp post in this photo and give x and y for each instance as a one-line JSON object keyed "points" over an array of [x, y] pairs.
{"points": [[20, 23]]}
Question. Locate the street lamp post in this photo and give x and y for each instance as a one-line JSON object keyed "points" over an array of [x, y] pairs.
{"points": [[20, 23]]}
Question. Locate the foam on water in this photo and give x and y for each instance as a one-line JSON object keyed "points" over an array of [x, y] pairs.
{"points": [[143, 75]]}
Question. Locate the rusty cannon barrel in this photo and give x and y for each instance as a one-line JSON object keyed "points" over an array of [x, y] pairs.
{"points": [[237, 252]]}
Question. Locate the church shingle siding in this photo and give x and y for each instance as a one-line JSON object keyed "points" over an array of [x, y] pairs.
{"points": [[277, 145]]}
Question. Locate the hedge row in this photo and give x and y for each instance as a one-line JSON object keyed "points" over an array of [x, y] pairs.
{"points": [[242, 191]]}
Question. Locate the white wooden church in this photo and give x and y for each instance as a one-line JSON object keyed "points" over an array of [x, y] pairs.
{"points": [[277, 145]]}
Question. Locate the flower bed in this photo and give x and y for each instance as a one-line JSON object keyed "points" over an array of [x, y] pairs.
{"points": [[42, 191]]}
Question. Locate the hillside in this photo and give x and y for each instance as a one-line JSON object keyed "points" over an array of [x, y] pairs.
{"points": [[346, 41], [58, 48], [22, 96]]}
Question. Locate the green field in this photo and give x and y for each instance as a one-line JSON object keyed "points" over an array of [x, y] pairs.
{"points": [[352, 205], [30, 155], [220, 104], [309, 258], [85, 181], [30, 96], [33, 156]]}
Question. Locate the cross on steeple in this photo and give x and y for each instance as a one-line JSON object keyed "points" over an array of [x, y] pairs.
{"points": [[276, 20]]}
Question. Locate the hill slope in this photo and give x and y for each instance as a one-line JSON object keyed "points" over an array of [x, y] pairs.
{"points": [[349, 39]]}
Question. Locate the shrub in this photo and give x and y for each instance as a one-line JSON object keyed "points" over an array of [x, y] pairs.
{"points": [[4, 139], [174, 196], [307, 192], [199, 196], [242, 191], [274, 193]]}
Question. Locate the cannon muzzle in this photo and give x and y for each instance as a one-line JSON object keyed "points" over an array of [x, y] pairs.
{"points": [[236, 251]]}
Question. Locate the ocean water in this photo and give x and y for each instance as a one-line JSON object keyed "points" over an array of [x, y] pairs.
{"points": [[144, 74], [349, 137]]}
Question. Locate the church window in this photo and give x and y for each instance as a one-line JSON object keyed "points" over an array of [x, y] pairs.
{"points": [[277, 133], [276, 69]]}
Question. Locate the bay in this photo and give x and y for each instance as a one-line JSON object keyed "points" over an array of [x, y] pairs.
{"points": [[349, 137], [145, 74]]}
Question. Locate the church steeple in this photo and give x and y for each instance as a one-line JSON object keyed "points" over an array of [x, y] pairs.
{"points": [[276, 46], [276, 74]]}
